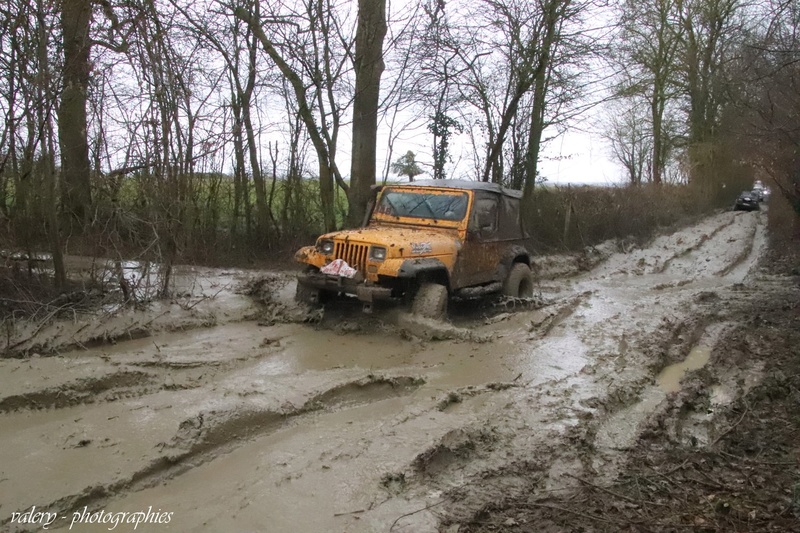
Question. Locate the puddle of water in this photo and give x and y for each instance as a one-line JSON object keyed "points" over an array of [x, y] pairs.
{"points": [[622, 429], [669, 380]]}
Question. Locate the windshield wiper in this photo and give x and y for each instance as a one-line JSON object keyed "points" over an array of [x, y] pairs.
{"points": [[391, 204], [424, 202]]}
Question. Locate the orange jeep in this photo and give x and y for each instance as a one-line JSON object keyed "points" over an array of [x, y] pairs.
{"points": [[423, 242]]}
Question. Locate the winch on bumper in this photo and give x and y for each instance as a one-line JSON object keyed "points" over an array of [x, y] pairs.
{"points": [[365, 291]]}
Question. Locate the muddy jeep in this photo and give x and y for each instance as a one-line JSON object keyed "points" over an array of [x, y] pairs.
{"points": [[422, 243]]}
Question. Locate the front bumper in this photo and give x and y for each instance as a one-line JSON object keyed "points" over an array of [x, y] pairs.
{"points": [[364, 291]]}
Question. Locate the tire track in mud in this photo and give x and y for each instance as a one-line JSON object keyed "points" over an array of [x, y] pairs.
{"points": [[212, 431], [484, 489], [696, 246], [455, 397], [565, 311], [453, 448], [202, 438], [458, 446], [123, 384], [118, 376], [624, 425], [743, 255], [561, 459]]}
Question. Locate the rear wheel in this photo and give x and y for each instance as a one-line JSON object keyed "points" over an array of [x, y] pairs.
{"points": [[430, 301], [519, 283]]}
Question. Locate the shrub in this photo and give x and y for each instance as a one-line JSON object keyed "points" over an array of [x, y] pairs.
{"points": [[571, 218]]}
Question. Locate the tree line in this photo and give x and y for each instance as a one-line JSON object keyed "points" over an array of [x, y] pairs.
{"points": [[157, 124]]}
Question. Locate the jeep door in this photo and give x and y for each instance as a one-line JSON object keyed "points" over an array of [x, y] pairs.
{"points": [[478, 260]]}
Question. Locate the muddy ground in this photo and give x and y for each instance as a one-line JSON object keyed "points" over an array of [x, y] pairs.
{"points": [[657, 390]]}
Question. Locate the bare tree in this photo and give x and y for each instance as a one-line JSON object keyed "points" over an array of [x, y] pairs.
{"points": [[631, 139], [710, 29], [498, 64], [322, 69], [647, 49]]}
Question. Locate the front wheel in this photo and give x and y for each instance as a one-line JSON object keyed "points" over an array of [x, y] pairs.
{"points": [[430, 301], [519, 283], [306, 295]]}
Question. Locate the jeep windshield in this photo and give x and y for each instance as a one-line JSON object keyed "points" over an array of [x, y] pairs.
{"points": [[436, 205]]}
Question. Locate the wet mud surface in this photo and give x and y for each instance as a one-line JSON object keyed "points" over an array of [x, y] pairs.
{"points": [[236, 410]]}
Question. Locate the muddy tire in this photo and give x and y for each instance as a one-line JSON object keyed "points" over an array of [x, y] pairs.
{"points": [[519, 283], [305, 294], [311, 296], [430, 301]]}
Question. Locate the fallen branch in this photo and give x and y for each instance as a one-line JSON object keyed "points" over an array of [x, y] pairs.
{"points": [[577, 513], [414, 512], [42, 324], [611, 492], [746, 410], [606, 520], [750, 460], [346, 513]]}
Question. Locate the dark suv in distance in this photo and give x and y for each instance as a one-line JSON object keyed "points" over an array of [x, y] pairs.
{"points": [[747, 201]]}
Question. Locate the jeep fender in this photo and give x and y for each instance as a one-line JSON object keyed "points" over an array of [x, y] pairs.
{"points": [[514, 254], [425, 267]]}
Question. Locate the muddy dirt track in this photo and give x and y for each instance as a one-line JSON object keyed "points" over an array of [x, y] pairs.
{"points": [[239, 415]]}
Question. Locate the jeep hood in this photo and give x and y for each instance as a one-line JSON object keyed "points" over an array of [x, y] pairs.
{"points": [[402, 241]]}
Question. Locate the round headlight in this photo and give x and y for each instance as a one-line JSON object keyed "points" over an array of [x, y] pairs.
{"points": [[326, 247], [377, 253]]}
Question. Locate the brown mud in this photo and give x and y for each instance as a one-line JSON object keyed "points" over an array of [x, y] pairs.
{"points": [[235, 409]]}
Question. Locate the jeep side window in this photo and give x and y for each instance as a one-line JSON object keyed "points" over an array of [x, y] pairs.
{"points": [[510, 227], [484, 215]]}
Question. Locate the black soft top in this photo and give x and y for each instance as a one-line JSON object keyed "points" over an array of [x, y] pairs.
{"points": [[464, 184]]}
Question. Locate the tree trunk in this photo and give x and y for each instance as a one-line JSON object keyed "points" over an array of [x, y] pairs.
{"points": [[536, 130], [493, 158], [47, 149], [369, 67], [238, 170], [76, 191], [262, 216], [541, 84], [657, 113], [326, 196]]}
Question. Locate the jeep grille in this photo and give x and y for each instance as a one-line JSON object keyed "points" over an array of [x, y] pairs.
{"points": [[354, 254]]}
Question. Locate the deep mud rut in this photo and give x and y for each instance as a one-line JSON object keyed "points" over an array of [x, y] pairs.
{"points": [[235, 417]]}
